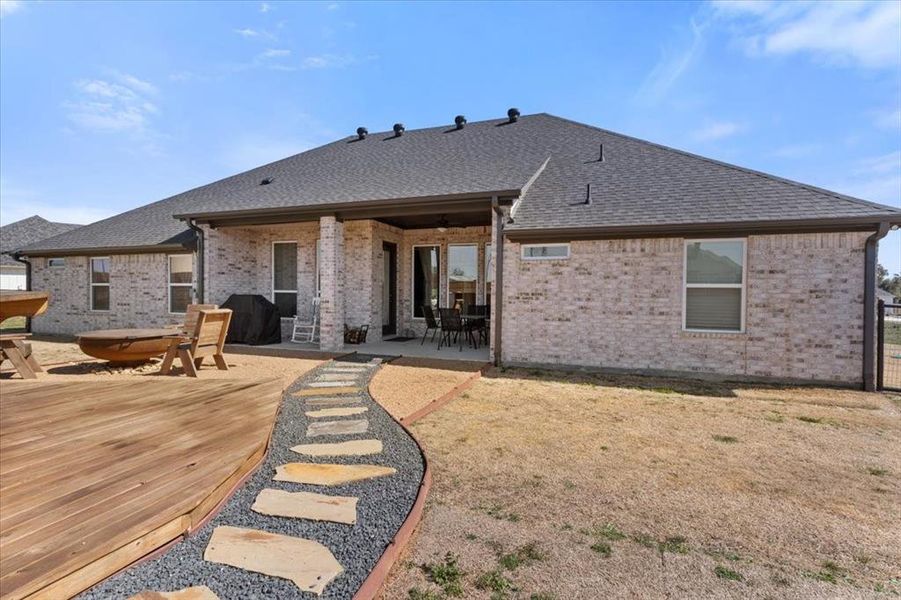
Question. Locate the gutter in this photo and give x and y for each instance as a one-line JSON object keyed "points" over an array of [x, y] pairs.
{"points": [[199, 253], [18, 258], [108, 250], [869, 306]]}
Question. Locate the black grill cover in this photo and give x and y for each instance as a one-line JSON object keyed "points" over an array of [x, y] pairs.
{"points": [[255, 320]]}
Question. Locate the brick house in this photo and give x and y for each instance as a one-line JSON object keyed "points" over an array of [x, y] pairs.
{"points": [[592, 249]]}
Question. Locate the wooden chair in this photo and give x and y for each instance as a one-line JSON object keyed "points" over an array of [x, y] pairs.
{"points": [[14, 349], [307, 332], [193, 313], [207, 339], [431, 324]]}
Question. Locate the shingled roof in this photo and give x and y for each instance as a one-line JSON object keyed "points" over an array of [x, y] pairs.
{"points": [[27, 231], [547, 160]]}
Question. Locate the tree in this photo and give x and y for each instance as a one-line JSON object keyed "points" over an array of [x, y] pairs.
{"points": [[891, 284]]}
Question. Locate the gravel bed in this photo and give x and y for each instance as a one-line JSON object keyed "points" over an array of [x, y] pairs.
{"points": [[383, 506]]}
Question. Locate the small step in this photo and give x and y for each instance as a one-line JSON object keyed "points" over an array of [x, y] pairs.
{"points": [[331, 384], [329, 474], [317, 402], [334, 391], [336, 412], [345, 427], [306, 505], [310, 565], [349, 448], [334, 377]]}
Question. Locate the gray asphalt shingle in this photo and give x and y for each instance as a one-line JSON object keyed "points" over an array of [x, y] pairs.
{"points": [[639, 183], [28, 231]]}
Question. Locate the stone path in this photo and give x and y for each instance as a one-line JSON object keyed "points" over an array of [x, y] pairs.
{"points": [[257, 543]]}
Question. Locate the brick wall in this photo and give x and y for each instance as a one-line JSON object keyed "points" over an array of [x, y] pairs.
{"points": [[138, 294], [618, 304]]}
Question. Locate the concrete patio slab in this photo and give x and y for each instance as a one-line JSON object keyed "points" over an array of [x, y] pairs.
{"points": [[306, 505], [310, 565]]}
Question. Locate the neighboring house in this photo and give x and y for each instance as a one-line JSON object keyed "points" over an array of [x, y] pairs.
{"points": [[593, 248], [19, 234], [885, 296]]}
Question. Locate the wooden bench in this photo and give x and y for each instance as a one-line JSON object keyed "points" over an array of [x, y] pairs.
{"points": [[14, 349]]}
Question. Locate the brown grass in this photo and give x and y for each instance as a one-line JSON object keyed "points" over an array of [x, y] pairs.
{"points": [[63, 360], [405, 385], [639, 487]]}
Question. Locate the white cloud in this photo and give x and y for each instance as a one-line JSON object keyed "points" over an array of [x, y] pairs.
{"points": [[334, 61], [874, 178], [718, 130], [122, 104], [671, 66], [880, 165], [17, 203], [864, 34], [8, 7], [888, 118], [265, 7], [247, 32], [332, 6], [275, 53]]}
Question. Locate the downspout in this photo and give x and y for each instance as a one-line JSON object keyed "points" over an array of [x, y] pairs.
{"points": [[869, 307], [18, 258], [498, 290], [199, 251]]}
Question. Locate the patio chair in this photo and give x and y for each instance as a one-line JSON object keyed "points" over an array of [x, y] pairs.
{"points": [[431, 324], [207, 339], [307, 332], [191, 314], [481, 326], [355, 335], [451, 327]]}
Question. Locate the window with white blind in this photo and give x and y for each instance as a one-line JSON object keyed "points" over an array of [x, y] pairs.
{"points": [[181, 282], [715, 285], [284, 278], [100, 296]]}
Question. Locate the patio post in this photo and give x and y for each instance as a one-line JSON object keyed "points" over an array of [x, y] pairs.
{"points": [[331, 289]]}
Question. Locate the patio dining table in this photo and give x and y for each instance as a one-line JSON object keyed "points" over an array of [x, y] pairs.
{"points": [[470, 320]]}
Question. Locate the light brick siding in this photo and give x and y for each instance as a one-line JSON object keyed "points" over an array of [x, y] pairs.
{"points": [[138, 294], [618, 304]]}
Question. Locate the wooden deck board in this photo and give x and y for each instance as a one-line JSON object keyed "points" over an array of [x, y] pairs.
{"points": [[94, 475]]}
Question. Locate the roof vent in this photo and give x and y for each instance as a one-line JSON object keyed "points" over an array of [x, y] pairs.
{"points": [[398, 129], [513, 115], [459, 121], [266, 181], [601, 154], [362, 132]]}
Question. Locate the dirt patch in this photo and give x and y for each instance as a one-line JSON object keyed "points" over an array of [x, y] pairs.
{"points": [[406, 385], [585, 487], [63, 360]]}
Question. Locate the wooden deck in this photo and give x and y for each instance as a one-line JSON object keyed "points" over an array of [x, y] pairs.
{"points": [[95, 475]]}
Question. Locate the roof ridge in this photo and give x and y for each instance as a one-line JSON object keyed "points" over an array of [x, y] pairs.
{"points": [[761, 174]]}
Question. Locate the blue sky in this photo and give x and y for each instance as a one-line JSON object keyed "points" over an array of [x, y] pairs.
{"points": [[105, 106]]}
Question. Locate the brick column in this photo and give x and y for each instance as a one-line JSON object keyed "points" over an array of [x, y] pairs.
{"points": [[331, 290]]}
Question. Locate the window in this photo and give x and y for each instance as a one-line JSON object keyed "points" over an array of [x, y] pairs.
{"points": [[284, 278], [489, 273], [426, 269], [545, 251], [181, 277], [318, 262], [462, 275], [56, 263], [714, 285], [100, 283]]}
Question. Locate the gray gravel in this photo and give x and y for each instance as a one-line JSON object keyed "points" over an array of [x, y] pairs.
{"points": [[383, 506]]}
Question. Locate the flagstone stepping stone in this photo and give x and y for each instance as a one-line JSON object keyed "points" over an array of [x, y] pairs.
{"points": [[349, 448], [329, 474], [333, 377], [335, 391], [330, 384], [306, 505], [336, 412], [345, 370], [338, 401], [199, 592], [310, 565], [346, 427]]}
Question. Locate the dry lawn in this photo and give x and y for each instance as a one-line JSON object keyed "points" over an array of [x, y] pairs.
{"points": [[405, 385], [550, 486], [63, 360]]}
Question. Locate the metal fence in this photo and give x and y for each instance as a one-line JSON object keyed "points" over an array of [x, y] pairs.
{"points": [[888, 365]]}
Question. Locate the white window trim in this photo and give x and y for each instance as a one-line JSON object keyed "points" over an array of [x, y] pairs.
{"points": [[743, 285], [52, 258], [522, 251], [413, 278], [447, 290], [171, 285], [272, 277], [92, 285]]}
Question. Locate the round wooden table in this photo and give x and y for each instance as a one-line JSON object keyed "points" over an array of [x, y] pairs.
{"points": [[126, 345]]}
